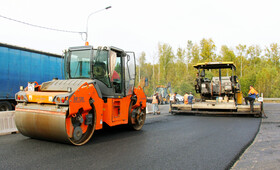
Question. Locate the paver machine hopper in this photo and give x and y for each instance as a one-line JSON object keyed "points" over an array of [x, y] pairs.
{"points": [[218, 95], [98, 88]]}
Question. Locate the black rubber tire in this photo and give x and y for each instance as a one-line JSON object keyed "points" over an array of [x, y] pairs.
{"points": [[136, 126], [88, 134], [5, 106], [139, 126], [259, 115]]}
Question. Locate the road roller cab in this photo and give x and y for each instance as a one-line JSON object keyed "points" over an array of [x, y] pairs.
{"points": [[98, 88]]}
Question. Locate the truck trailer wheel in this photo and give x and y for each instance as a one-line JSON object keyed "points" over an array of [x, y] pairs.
{"points": [[5, 106]]}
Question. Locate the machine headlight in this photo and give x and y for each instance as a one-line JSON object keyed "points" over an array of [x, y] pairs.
{"points": [[21, 88], [69, 89]]}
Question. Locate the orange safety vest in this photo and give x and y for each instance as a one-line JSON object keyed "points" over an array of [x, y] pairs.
{"points": [[154, 100], [253, 91], [186, 98]]}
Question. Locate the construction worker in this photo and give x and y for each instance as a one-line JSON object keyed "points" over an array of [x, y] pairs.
{"points": [[175, 98], [174, 101], [190, 98], [251, 97], [186, 98], [155, 104]]}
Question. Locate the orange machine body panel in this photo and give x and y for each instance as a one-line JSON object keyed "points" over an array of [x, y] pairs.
{"points": [[80, 101], [41, 97], [141, 98], [115, 111]]}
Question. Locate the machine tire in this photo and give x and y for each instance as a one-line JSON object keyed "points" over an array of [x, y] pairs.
{"points": [[87, 136], [136, 126], [173, 113], [139, 126], [258, 115], [5, 106], [171, 110]]}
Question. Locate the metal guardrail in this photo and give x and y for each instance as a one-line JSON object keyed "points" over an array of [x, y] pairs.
{"points": [[7, 122], [272, 99]]}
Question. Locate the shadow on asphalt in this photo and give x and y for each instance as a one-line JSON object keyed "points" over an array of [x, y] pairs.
{"points": [[113, 133], [107, 134]]}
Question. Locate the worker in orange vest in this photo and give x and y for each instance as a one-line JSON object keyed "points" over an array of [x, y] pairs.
{"points": [[251, 97], [186, 98], [155, 104]]}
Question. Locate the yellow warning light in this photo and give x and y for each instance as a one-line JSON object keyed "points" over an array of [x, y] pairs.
{"points": [[86, 44]]}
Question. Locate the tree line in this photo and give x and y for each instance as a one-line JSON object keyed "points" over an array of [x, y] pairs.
{"points": [[254, 66]]}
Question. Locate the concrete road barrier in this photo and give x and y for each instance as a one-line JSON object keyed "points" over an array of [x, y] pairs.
{"points": [[162, 108], [149, 108], [7, 122]]}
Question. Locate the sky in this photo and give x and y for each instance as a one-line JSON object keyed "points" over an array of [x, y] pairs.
{"points": [[140, 25]]}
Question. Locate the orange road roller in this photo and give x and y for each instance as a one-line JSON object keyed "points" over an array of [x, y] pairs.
{"points": [[98, 88]]}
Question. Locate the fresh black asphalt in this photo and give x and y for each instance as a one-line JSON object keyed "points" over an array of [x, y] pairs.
{"points": [[165, 142]]}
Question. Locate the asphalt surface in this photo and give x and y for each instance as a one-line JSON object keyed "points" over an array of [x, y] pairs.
{"points": [[165, 142]]}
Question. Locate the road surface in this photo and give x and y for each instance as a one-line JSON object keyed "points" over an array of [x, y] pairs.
{"points": [[165, 142]]}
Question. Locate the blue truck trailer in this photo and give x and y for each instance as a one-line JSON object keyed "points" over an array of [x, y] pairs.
{"points": [[19, 65]]}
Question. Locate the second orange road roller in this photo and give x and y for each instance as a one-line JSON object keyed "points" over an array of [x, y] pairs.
{"points": [[98, 88]]}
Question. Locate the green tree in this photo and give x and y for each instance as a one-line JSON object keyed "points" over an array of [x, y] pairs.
{"points": [[140, 68], [207, 50], [166, 58], [273, 54], [227, 54], [189, 53], [180, 70], [267, 81], [180, 65], [241, 52], [254, 66], [195, 54], [254, 52]]}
